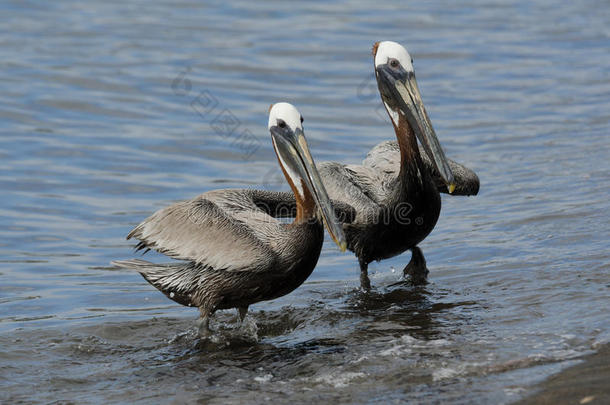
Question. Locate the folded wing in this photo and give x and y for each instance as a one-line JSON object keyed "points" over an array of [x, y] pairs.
{"points": [[221, 229], [385, 157]]}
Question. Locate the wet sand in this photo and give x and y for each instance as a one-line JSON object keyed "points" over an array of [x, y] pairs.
{"points": [[584, 383]]}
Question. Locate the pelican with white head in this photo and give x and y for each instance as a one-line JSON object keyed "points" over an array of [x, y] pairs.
{"points": [[286, 127], [400, 95]]}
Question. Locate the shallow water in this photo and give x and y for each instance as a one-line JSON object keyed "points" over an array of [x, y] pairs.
{"points": [[111, 110]]}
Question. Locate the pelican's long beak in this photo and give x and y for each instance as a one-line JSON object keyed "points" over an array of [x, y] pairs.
{"points": [[400, 92], [293, 152]]}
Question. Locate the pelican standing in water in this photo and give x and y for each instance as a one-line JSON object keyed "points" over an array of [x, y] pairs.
{"points": [[396, 191], [234, 252]]}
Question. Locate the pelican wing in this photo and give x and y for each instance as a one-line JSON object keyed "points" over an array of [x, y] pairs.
{"points": [[359, 187], [386, 158], [222, 229]]}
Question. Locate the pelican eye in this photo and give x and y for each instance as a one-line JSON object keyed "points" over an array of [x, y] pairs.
{"points": [[281, 123], [301, 119], [394, 63]]}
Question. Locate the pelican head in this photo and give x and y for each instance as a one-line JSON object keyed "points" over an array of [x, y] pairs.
{"points": [[400, 95], [286, 127]]}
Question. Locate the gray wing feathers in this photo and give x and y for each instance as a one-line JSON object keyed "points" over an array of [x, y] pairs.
{"points": [[358, 187], [177, 277], [178, 281], [385, 157], [221, 229]]}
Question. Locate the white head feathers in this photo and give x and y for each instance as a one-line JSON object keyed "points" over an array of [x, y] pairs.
{"points": [[286, 112], [387, 50]]}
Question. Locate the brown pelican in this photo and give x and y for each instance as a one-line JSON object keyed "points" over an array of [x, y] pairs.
{"points": [[396, 191], [234, 252]]}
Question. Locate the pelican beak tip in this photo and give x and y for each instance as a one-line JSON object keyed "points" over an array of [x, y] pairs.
{"points": [[451, 188]]}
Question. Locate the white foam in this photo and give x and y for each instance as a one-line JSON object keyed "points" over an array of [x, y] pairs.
{"points": [[444, 373], [264, 379], [407, 344], [339, 380], [395, 351]]}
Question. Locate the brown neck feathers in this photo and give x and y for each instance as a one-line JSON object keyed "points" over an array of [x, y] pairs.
{"points": [[407, 143], [306, 205]]}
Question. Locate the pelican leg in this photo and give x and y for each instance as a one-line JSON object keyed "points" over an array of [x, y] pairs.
{"points": [[416, 270], [242, 313], [203, 323], [365, 283]]}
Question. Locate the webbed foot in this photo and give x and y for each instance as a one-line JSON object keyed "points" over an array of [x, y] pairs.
{"points": [[416, 271]]}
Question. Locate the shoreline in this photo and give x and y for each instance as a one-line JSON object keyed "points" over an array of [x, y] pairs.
{"points": [[584, 383]]}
